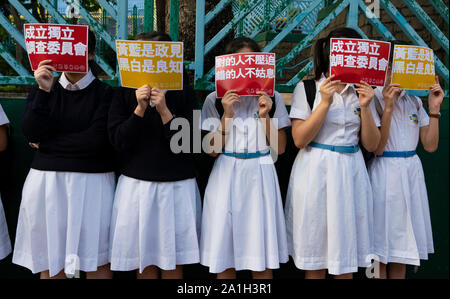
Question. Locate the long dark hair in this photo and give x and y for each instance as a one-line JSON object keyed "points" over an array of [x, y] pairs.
{"points": [[92, 43], [240, 43], [322, 49], [160, 37]]}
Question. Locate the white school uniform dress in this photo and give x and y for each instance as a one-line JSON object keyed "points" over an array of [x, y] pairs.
{"points": [[64, 217], [5, 243], [243, 224], [329, 200], [402, 226]]}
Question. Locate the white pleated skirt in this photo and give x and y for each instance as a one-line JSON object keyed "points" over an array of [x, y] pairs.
{"points": [[155, 223], [329, 211], [64, 221], [243, 224], [402, 226], [5, 243]]}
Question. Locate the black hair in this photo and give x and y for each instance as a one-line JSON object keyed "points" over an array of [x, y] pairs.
{"points": [[154, 36], [160, 37], [322, 49], [240, 43], [92, 43], [393, 43]]}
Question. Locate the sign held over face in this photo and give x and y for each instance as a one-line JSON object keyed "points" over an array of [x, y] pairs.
{"points": [[354, 60], [247, 73], [413, 67], [156, 63], [65, 45]]}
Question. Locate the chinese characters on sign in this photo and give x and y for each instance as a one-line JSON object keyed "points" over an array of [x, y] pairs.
{"points": [[156, 63], [355, 60], [247, 73], [65, 45], [413, 67]]}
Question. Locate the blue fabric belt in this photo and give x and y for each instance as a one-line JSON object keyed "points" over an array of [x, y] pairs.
{"points": [[347, 149], [404, 154], [247, 155]]}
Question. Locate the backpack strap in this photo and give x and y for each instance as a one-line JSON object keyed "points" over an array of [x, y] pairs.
{"points": [[310, 90], [219, 107], [378, 106]]}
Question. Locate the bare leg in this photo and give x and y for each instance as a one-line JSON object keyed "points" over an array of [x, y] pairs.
{"points": [[150, 272], [344, 276], [266, 274], [315, 274], [46, 275], [396, 271], [227, 274], [173, 274], [383, 272], [103, 272]]}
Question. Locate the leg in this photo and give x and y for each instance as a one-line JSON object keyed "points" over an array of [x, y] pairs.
{"points": [[46, 275], [227, 274], [396, 271], [266, 274], [150, 272], [315, 274], [383, 273], [344, 276], [103, 272], [173, 274]]}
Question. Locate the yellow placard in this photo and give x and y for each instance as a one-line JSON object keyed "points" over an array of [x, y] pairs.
{"points": [[156, 63], [413, 67]]}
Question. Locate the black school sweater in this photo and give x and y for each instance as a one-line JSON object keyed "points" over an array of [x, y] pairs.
{"points": [[144, 143], [70, 127]]}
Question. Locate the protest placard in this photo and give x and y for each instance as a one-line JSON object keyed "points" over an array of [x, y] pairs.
{"points": [[247, 73], [355, 60], [65, 45], [156, 63], [413, 67]]}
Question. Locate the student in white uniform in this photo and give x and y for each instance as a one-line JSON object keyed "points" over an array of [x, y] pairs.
{"points": [[5, 243], [157, 207], [243, 224], [68, 195], [329, 200], [402, 227]]}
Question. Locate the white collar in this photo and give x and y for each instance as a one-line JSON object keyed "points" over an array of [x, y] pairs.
{"points": [[81, 84]]}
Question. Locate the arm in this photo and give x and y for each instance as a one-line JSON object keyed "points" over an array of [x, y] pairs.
{"points": [[36, 124], [125, 125], [3, 138], [429, 135], [265, 105], [370, 135], [304, 131], [390, 94]]}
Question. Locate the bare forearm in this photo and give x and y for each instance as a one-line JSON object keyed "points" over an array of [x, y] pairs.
{"points": [[304, 132], [430, 139], [370, 135], [384, 130]]}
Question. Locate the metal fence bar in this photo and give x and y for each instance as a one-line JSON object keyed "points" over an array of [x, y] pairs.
{"points": [[199, 40], [122, 18], [148, 15], [174, 19], [18, 37], [352, 16], [273, 14], [412, 34], [109, 9], [233, 23], [216, 10], [303, 72], [375, 22], [286, 30], [428, 23], [307, 40], [98, 28], [13, 62], [441, 8]]}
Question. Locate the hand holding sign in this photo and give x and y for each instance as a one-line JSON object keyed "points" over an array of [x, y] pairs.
{"points": [[435, 97], [228, 100], [44, 75], [143, 94], [264, 104], [391, 93], [327, 89], [365, 92]]}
